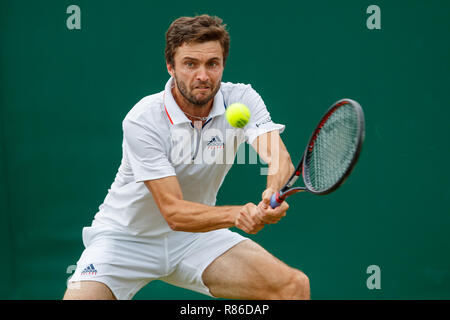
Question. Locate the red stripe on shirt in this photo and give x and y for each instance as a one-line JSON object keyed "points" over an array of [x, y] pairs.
{"points": [[164, 99], [170, 119]]}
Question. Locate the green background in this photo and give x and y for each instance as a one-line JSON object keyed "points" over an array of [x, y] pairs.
{"points": [[64, 94]]}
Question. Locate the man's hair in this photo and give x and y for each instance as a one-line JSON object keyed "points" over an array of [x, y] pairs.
{"points": [[197, 29]]}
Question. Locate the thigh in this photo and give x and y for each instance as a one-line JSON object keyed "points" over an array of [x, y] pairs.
{"points": [[246, 271], [88, 290]]}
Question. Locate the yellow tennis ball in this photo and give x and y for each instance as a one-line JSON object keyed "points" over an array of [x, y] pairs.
{"points": [[237, 115]]}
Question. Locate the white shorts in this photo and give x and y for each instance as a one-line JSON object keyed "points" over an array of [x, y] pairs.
{"points": [[126, 264]]}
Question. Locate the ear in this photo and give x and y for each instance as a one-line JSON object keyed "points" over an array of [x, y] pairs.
{"points": [[170, 69]]}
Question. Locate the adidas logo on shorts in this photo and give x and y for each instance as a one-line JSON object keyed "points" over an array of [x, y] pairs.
{"points": [[89, 270]]}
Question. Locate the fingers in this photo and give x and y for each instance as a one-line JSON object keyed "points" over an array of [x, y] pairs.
{"points": [[243, 223], [252, 218], [248, 219], [269, 215], [266, 196]]}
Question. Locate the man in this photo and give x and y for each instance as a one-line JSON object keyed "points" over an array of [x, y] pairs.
{"points": [[159, 220]]}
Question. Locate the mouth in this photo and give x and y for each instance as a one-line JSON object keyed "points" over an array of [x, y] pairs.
{"points": [[202, 88]]}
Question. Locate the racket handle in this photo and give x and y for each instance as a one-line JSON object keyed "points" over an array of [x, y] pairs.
{"points": [[275, 200]]}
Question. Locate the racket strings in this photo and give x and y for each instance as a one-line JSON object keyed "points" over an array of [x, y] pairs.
{"points": [[333, 150]]}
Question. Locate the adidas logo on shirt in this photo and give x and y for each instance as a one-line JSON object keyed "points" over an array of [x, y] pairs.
{"points": [[89, 270], [215, 142]]}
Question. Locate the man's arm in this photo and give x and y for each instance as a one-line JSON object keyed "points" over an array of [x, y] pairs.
{"points": [[182, 215], [272, 150]]}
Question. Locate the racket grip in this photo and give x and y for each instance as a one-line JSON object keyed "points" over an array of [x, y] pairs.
{"points": [[275, 200]]}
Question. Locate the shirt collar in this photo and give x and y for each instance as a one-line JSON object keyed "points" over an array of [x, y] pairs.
{"points": [[177, 116]]}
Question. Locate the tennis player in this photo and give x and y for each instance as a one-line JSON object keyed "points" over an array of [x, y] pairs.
{"points": [[159, 220]]}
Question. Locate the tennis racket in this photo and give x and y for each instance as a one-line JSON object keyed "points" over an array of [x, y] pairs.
{"points": [[331, 153]]}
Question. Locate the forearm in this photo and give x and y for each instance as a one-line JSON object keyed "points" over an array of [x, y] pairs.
{"points": [[280, 170], [272, 150], [189, 216]]}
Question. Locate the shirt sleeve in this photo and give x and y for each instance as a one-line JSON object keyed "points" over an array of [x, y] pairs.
{"points": [[260, 120], [145, 152]]}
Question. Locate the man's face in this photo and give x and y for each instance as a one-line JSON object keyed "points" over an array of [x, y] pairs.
{"points": [[198, 71]]}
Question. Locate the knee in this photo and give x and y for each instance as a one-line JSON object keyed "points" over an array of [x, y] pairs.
{"points": [[296, 287]]}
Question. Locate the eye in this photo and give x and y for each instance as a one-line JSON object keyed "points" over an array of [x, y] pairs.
{"points": [[189, 64]]}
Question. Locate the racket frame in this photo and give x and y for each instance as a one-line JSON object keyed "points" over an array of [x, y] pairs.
{"points": [[287, 189], [311, 141]]}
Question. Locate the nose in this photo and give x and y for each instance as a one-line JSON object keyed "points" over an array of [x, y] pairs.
{"points": [[202, 74]]}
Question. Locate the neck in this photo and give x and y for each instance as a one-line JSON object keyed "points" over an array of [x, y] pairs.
{"points": [[192, 112]]}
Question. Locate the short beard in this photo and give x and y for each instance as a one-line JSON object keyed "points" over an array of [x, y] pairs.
{"points": [[191, 98]]}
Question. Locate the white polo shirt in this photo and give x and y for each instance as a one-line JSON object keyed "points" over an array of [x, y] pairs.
{"points": [[160, 141]]}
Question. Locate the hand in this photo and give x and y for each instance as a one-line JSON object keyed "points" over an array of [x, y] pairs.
{"points": [[267, 214], [248, 219], [266, 196]]}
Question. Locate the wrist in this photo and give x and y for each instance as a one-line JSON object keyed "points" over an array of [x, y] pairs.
{"points": [[233, 214]]}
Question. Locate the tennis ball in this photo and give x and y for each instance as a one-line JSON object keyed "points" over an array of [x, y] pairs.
{"points": [[237, 115]]}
